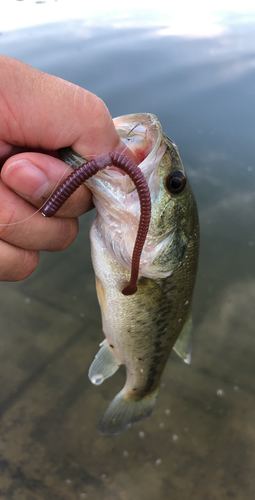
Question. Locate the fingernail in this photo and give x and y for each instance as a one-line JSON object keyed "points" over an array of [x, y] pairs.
{"points": [[26, 178]]}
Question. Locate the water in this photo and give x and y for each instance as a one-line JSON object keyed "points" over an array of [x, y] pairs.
{"points": [[200, 440]]}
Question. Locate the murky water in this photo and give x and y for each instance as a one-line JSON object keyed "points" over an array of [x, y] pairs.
{"points": [[200, 440]]}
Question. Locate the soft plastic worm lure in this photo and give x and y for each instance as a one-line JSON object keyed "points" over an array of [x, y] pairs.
{"points": [[87, 170]]}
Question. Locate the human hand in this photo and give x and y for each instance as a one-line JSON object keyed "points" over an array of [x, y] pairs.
{"points": [[40, 114]]}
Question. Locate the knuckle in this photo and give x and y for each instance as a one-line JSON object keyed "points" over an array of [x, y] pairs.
{"points": [[99, 116]]}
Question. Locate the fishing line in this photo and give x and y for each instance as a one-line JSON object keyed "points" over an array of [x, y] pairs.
{"points": [[39, 209]]}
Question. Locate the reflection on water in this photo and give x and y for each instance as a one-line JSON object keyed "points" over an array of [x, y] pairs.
{"points": [[200, 440]]}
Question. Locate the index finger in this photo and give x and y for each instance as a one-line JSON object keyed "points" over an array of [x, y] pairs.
{"points": [[41, 111]]}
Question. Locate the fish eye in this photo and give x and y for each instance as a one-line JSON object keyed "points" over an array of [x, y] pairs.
{"points": [[176, 182]]}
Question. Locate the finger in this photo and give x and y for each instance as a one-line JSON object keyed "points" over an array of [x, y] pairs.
{"points": [[22, 227], [16, 263], [7, 150], [57, 113], [34, 176]]}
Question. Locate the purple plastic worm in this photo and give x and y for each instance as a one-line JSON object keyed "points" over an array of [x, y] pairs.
{"points": [[87, 170]]}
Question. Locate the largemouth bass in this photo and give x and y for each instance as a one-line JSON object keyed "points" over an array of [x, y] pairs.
{"points": [[143, 328]]}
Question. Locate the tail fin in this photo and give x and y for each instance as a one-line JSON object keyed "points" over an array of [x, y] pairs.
{"points": [[124, 411]]}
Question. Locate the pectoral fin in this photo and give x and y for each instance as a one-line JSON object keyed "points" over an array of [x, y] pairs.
{"points": [[104, 365], [183, 345]]}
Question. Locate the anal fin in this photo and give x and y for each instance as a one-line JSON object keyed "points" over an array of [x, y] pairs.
{"points": [[104, 365]]}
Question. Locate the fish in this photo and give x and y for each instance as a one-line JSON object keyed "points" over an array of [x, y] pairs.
{"points": [[143, 328]]}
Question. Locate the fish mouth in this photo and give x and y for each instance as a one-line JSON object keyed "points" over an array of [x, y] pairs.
{"points": [[116, 198], [142, 134]]}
